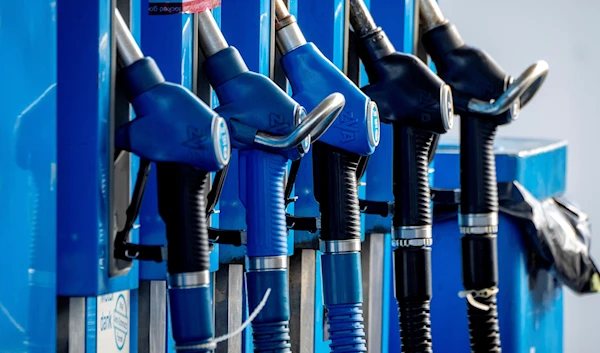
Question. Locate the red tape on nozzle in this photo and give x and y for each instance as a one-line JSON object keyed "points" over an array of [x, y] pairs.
{"points": [[178, 7]]}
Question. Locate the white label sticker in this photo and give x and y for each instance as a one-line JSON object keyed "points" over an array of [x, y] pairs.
{"points": [[113, 323]]}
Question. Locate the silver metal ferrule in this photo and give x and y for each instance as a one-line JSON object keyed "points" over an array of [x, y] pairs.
{"points": [[211, 38], [360, 18], [289, 36], [189, 279], [430, 14], [478, 223], [412, 236], [266, 263], [412, 232], [129, 51], [339, 246]]}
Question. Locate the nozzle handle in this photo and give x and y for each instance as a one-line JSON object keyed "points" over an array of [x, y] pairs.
{"points": [[313, 125], [518, 93], [262, 194]]}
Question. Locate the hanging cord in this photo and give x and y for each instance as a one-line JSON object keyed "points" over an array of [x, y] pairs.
{"points": [[471, 294], [213, 344]]}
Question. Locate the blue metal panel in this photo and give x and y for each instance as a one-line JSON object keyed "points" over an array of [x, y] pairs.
{"points": [[84, 161], [90, 327], [28, 176], [540, 165], [529, 304]]}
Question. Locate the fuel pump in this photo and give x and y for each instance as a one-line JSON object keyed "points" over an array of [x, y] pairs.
{"points": [[194, 141], [269, 128], [485, 97], [335, 160], [418, 105]]}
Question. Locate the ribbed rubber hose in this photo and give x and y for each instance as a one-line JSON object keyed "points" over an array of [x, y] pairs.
{"points": [[412, 264], [479, 195]]}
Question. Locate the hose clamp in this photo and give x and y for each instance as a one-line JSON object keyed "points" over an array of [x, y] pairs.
{"points": [[266, 263], [189, 279], [339, 246], [417, 236], [478, 223]]}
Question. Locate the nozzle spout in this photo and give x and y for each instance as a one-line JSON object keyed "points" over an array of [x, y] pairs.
{"points": [[129, 51], [281, 11], [360, 18], [210, 36], [430, 14]]}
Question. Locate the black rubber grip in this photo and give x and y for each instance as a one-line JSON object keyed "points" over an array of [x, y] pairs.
{"points": [[412, 271], [479, 261], [484, 329], [479, 192], [336, 191], [182, 206], [411, 179]]}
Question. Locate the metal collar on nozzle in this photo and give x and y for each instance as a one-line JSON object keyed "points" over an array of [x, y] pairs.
{"points": [[289, 36]]}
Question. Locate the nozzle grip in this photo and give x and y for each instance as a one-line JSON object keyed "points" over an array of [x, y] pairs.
{"points": [[262, 193], [411, 176], [336, 191], [182, 206], [479, 193]]}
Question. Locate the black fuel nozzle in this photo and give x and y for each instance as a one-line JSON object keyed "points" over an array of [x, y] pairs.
{"points": [[419, 106], [485, 97]]}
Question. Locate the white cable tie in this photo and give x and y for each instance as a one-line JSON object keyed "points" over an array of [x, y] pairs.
{"points": [[213, 343], [471, 294]]}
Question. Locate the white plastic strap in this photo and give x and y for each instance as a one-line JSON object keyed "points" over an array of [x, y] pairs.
{"points": [[213, 344], [471, 294]]}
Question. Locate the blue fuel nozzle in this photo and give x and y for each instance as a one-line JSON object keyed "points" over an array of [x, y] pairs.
{"points": [[313, 77], [172, 124], [269, 128], [187, 140]]}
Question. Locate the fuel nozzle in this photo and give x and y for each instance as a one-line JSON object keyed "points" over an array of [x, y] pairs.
{"points": [[335, 161], [485, 97], [172, 124], [419, 106], [268, 128], [186, 140]]}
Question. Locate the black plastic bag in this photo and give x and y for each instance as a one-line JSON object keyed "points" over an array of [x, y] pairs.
{"points": [[558, 231]]}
